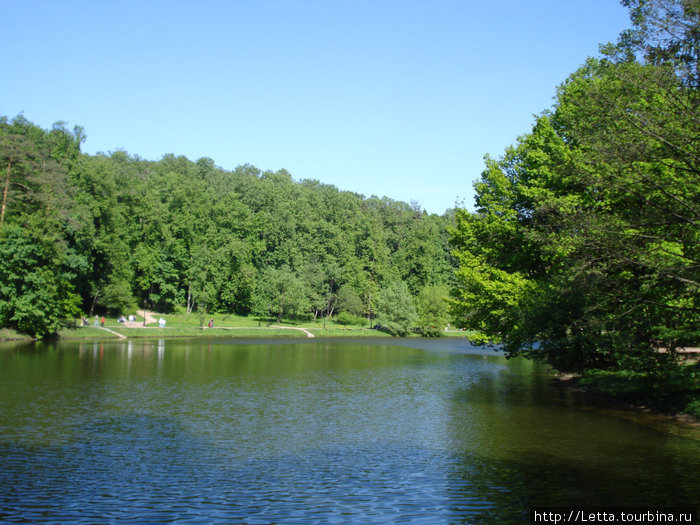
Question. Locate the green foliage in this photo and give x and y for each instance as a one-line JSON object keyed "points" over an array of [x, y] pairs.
{"points": [[176, 234], [395, 310], [34, 292], [350, 319], [585, 248], [432, 310], [280, 293], [693, 408], [116, 296], [663, 32], [349, 301]]}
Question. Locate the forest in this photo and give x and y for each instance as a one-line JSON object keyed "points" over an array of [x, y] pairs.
{"points": [[108, 233], [583, 249]]}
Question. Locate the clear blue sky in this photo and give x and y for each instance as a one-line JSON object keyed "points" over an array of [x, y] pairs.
{"points": [[396, 98]]}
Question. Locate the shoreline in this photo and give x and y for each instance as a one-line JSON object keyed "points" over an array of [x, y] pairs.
{"points": [[261, 332], [601, 401]]}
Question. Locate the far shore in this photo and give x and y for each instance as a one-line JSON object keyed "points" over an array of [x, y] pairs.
{"points": [[137, 330], [148, 324]]}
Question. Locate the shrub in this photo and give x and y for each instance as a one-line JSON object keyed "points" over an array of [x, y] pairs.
{"points": [[346, 318]]}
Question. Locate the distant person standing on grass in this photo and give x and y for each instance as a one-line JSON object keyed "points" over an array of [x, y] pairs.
{"points": [[97, 320], [102, 321]]}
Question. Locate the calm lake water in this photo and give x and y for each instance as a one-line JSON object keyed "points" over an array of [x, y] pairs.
{"points": [[364, 431]]}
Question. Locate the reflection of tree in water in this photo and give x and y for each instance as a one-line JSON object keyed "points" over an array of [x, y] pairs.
{"points": [[523, 445]]}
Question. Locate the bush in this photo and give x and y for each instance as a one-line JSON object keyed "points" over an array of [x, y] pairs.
{"points": [[431, 331], [346, 318]]}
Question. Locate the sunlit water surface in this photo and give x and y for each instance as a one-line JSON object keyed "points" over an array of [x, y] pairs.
{"points": [[364, 431]]}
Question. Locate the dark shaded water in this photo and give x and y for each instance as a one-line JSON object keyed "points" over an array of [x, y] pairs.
{"points": [[315, 431]]}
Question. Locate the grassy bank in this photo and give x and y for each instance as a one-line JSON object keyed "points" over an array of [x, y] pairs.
{"points": [[9, 334], [224, 325]]}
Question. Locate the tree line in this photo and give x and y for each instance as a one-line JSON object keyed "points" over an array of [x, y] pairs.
{"points": [[112, 232]]}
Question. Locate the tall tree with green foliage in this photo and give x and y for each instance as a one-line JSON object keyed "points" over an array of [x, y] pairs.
{"points": [[280, 293], [16, 159], [432, 310], [395, 309], [35, 293]]}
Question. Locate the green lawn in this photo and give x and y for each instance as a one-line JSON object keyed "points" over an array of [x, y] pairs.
{"points": [[231, 325], [10, 334]]}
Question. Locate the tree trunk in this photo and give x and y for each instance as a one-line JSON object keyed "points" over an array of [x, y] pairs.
{"points": [[94, 300], [331, 308], [4, 193]]}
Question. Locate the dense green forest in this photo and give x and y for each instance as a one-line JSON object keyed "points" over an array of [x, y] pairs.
{"points": [[112, 232], [585, 247]]}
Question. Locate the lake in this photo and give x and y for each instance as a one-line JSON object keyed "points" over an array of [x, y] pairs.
{"points": [[327, 431]]}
